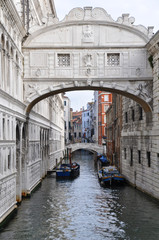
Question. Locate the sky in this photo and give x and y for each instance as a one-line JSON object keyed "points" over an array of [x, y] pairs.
{"points": [[145, 12]]}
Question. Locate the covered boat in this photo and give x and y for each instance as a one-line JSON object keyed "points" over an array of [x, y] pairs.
{"points": [[104, 161], [110, 175], [68, 170]]}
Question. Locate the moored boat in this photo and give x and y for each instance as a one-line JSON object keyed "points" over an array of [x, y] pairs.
{"points": [[68, 170], [110, 175]]}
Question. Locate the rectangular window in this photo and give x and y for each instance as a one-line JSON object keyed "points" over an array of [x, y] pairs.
{"points": [[106, 98], [75, 134], [140, 113], [113, 59], [125, 153], [131, 157], [63, 60], [79, 134], [126, 117], [158, 160], [133, 115], [64, 103], [149, 159], [139, 156], [9, 161], [105, 119], [4, 136]]}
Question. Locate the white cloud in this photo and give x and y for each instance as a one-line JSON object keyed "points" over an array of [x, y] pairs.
{"points": [[79, 99]]}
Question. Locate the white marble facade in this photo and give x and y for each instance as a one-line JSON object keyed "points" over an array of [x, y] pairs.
{"points": [[29, 146]]}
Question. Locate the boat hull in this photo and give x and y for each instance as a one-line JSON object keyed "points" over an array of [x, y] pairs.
{"points": [[110, 176], [68, 171]]}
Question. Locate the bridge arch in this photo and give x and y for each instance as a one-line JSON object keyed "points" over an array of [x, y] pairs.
{"points": [[110, 87], [92, 147]]}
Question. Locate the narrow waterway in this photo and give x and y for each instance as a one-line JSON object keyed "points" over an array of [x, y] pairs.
{"points": [[82, 209]]}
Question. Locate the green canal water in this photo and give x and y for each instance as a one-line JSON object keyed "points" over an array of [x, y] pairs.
{"points": [[82, 209]]}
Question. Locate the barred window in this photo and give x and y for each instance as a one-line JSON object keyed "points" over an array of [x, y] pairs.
{"points": [[113, 59], [63, 60]]}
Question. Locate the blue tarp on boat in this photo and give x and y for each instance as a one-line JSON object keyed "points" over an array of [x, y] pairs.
{"points": [[104, 159]]}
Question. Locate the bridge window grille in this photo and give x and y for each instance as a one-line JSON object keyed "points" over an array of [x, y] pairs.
{"points": [[63, 60], [113, 59]]}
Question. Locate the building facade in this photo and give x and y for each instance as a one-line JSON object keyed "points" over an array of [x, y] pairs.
{"points": [[29, 146], [87, 123], [104, 101], [113, 130], [76, 126]]}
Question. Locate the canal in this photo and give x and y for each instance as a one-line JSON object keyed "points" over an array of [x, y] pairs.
{"points": [[82, 209]]}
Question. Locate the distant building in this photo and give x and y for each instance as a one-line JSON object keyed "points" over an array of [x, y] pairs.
{"points": [[87, 123], [76, 122], [95, 117], [104, 101], [113, 130]]}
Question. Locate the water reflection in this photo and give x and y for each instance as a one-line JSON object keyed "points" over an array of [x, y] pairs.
{"points": [[82, 209]]}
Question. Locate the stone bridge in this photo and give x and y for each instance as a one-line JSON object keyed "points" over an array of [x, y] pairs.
{"points": [[92, 147], [88, 50]]}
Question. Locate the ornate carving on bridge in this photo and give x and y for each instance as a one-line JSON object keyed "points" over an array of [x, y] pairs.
{"points": [[125, 19], [88, 34], [88, 13], [138, 72], [89, 82], [88, 63], [76, 83], [101, 83], [88, 60], [30, 89], [38, 72], [144, 90]]}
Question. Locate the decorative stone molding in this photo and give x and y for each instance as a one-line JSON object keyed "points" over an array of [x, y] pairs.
{"points": [[89, 82], [101, 83], [144, 90], [38, 72], [138, 72], [88, 60], [88, 34], [76, 83], [88, 13], [125, 19]]}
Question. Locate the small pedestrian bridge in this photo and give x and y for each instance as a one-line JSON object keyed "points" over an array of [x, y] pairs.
{"points": [[92, 147]]}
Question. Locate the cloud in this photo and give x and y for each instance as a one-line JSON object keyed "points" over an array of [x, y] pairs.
{"points": [[80, 98]]}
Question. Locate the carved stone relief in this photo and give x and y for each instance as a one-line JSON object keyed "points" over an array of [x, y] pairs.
{"points": [[145, 91], [88, 34], [88, 63]]}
